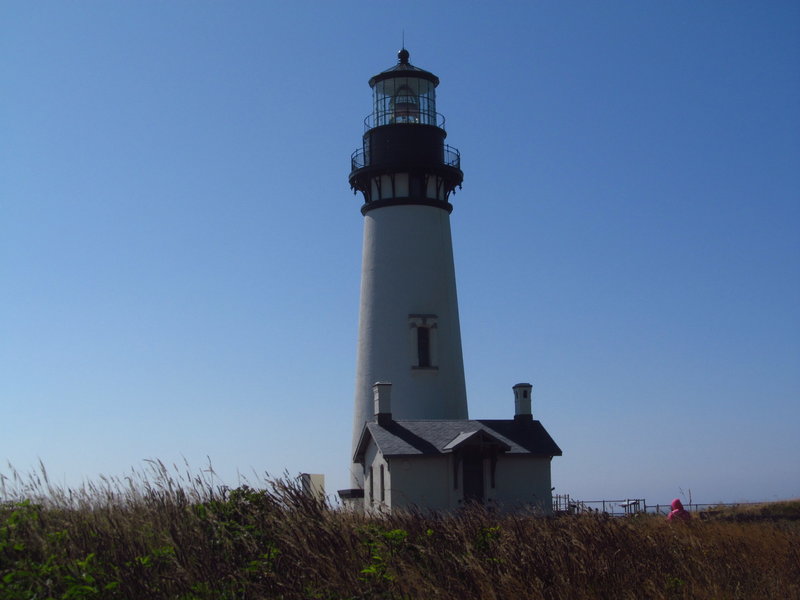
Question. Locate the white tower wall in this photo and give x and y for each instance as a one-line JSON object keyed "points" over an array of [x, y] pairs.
{"points": [[409, 335], [407, 279]]}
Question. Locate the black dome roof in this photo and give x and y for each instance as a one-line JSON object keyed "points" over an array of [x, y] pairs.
{"points": [[403, 68]]}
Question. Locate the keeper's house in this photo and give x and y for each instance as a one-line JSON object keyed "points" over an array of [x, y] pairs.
{"points": [[443, 464]]}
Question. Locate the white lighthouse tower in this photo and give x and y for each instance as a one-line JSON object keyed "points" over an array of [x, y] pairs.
{"points": [[409, 332], [413, 442]]}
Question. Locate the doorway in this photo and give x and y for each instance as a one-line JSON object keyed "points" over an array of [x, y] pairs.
{"points": [[473, 477]]}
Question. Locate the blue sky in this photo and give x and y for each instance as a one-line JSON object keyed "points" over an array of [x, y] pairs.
{"points": [[180, 251]]}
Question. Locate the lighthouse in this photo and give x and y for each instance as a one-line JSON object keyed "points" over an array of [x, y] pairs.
{"points": [[408, 331], [413, 443]]}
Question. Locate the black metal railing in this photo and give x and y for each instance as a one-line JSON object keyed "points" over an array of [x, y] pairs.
{"points": [[393, 117], [360, 158]]}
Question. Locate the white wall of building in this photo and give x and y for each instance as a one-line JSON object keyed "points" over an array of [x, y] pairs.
{"points": [[522, 480], [425, 481], [376, 499]]}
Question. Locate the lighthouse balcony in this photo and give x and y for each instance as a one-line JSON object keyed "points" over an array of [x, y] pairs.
{"points": [[363, 158]]}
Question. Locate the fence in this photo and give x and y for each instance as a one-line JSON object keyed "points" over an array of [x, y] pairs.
{"points": [[564, 504]]}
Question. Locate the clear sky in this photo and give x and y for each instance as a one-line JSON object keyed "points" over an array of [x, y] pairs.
{"points": [[180, 250]]}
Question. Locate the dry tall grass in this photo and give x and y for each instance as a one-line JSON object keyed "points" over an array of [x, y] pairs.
{"points": [[184, 538]]}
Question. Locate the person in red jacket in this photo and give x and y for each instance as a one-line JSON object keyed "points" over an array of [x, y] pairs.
{"points": [[678, 513]]}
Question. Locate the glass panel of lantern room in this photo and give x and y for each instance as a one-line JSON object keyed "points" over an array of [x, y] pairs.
{"points": [[382, 96], [405, 101], [427, 102]]}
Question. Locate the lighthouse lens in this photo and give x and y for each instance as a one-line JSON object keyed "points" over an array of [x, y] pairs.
{"points": [[405, 106]]}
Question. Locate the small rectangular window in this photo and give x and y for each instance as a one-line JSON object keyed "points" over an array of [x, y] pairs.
{"points": [[415, 185], [371, 488], [422, 340], [423, 347], [383, 489]]}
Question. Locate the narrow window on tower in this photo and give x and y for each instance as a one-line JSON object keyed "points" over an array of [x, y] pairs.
{"points": [[423, 347], [383, 488], [423, 333]]}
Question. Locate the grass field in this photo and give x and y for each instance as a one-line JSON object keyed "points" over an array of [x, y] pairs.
{"points": [[140, 539]]}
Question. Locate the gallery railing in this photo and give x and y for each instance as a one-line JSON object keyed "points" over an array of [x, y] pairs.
{"points": [[360, 158]]}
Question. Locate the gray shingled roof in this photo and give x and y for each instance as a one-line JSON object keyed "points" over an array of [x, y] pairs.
{"points": [[407, 438]]}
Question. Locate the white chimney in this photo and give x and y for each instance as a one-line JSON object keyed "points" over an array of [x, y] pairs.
{"points": [[382, 394], [522, 402]]}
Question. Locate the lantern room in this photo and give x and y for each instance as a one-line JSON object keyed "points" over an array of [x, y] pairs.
{"points": [[404, 94], [403, 158]]}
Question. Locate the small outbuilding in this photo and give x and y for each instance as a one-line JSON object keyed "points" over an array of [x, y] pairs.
{"points": [[445, 464]]}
